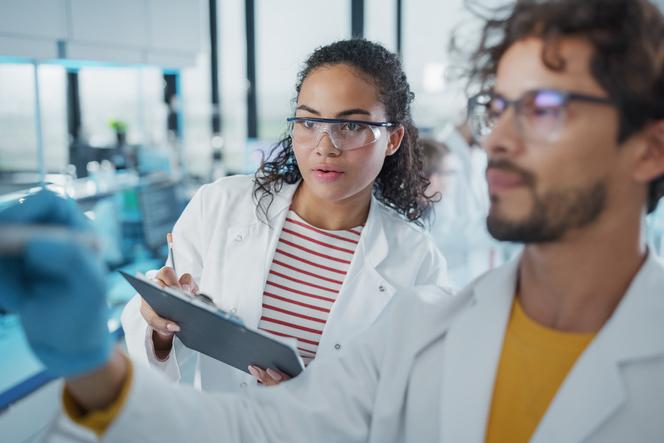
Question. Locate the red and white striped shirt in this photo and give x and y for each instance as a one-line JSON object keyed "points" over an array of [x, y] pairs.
{"points": [[306, 275]]}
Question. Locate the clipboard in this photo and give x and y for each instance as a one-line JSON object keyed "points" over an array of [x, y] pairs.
{"points": [[217, 333]]}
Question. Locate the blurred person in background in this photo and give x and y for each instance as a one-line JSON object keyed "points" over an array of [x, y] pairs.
{"points": [[459, 217]]}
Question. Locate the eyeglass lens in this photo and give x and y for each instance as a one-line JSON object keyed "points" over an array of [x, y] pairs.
{"points": [[539, 114], [344, 136]]}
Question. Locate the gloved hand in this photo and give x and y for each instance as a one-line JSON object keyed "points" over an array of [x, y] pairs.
{"points": [[57, 288]]}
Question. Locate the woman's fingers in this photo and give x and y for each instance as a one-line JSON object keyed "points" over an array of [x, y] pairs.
{"points": [[188, 284], [278, 376], [161, 325], [257, 373], [167, 277], [267, 377]]}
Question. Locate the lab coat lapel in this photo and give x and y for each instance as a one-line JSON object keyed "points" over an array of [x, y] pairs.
{"points": [[473, 346], [593, 390], [371, 250], [354, 305], [248, 269], [373, 242]]}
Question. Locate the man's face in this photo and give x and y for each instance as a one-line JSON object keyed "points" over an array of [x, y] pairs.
{"points": [[544, 189]]}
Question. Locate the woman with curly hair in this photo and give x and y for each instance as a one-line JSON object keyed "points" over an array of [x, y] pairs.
{"points": [[315, 244]]}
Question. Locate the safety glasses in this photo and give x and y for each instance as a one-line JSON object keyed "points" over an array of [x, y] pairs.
{"points": [[345, 135]]}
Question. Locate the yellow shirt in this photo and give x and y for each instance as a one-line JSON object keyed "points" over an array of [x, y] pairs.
{"points": [[534, 362]]}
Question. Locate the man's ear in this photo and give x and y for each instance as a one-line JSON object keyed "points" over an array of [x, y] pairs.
{"points": [[650, 163], [394, 141]]}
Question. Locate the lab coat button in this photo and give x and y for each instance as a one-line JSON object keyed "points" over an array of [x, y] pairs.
{"points": [[381, 288], [243, 384], [238, 238], [337, 346]]}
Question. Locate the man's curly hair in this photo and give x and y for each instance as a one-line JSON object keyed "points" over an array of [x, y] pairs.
{"points": [[401, 182], [628, 61]]}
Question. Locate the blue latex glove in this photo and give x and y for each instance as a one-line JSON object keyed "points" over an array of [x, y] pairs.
{"points": [[57, 288]]}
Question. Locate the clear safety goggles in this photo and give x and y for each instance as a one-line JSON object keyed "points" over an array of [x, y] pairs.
{"points": [[344, 134]]}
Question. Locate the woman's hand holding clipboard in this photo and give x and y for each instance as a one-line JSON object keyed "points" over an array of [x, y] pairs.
{"points": [[163, 328], [216, 333]]}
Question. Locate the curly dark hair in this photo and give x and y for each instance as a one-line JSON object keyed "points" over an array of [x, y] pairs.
{"points": [[628, 60], [401, 182]]}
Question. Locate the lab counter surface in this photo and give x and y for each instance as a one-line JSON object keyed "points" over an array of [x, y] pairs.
{"points": [[23, 377]]}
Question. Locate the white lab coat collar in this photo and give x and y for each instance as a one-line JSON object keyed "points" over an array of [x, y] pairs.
{"points": [[282, 201], [586, 398], [374, 242]]}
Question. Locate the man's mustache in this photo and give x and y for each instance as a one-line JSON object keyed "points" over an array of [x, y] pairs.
{"points": [[506, 165]]}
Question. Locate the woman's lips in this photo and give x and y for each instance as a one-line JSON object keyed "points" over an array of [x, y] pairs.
{"points": [[503, 180], [325, 175]]}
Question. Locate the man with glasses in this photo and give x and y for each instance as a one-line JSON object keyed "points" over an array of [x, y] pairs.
{"points": [[565, 344]]}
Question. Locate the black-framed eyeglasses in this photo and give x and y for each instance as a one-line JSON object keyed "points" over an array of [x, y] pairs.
{"points": [[344, 134], [540, 113]]}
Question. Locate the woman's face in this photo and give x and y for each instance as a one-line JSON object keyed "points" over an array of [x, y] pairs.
{"points": [[341, 92]]}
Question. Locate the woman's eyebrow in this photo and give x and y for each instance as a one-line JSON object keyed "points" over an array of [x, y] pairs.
{"points": [[308, 109], [340, 114], [353, 111]]}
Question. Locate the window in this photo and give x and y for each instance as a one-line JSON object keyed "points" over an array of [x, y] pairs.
{"points": [[233, 88], [288, 31], [197, 117], [18, 140], [380, 22], [18, 143], [53, 94], [427, 28], [132, 95]]}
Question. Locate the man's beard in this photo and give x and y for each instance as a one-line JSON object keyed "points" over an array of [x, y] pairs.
{"points": [[553, 214]]}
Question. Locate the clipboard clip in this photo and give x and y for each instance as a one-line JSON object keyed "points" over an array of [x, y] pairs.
{"points": [[234, 318], [204, 298], [208, 301]]}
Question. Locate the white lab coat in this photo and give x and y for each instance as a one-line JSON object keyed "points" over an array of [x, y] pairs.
{"points": [[425, 372], [220, 241]]}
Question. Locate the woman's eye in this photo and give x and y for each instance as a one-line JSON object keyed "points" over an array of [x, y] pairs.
{"points": [[351, 126], [308, 124]]}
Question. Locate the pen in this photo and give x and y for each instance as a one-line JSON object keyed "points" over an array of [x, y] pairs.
{"points": [[202, 297], [169, 240]]}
